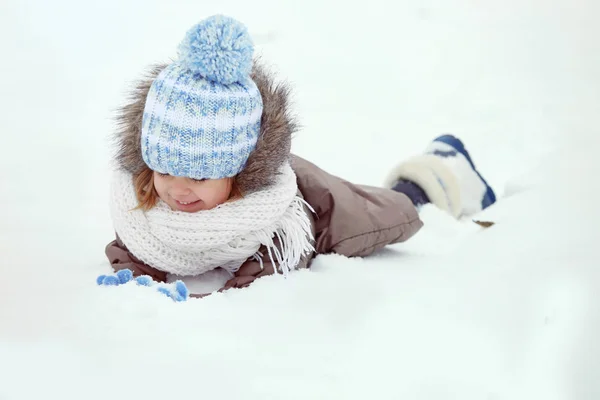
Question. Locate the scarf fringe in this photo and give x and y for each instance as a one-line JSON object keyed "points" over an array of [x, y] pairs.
{"points": [[294, 235]]}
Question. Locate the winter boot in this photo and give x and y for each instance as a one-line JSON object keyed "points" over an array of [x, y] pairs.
{"points": [[448, 176]]}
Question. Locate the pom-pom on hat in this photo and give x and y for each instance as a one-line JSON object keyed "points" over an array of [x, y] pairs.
{"points": [[202, 114]]}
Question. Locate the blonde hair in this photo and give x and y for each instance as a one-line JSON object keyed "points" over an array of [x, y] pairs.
{"points": [[147, 196]]}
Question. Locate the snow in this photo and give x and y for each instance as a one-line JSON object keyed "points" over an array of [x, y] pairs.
{"points": [[509, 312]]}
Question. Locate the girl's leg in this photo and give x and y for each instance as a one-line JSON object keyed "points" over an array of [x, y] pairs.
{"points": [[414, 192]]}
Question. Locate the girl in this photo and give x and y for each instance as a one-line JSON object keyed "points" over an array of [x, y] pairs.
{"points": [[206, 180]]}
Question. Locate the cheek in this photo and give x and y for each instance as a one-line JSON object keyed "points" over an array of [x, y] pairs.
{"points": [[222, 195], [161, 188], [214, 195]]}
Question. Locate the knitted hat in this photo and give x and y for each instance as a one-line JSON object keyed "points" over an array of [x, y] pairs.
{"points": [[203, 112]]}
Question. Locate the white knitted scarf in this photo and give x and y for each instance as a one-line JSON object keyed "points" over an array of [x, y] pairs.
{"points": [[189, 244]]}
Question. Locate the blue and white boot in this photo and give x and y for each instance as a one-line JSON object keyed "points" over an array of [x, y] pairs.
{"points": [[448, 176]]}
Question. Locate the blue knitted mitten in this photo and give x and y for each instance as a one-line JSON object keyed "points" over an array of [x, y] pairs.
{"points": [[177, 291], [120, 278]]}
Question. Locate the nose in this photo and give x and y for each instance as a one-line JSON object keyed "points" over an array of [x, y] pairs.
{"points": [[179, 187]]}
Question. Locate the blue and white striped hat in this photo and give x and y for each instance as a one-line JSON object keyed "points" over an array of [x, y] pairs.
{"points": [[202, 114]]}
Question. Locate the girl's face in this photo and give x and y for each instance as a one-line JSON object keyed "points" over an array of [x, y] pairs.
{"points": [[190, 195]]}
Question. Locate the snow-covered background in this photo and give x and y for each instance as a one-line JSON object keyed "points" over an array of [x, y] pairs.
{"points": [[459, 312]]}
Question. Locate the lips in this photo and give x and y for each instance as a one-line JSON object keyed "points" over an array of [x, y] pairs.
{"points": [[190, 206], [185, 203]]}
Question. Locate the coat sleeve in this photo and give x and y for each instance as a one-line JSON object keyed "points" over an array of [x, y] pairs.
{"points": [[120, 258]]}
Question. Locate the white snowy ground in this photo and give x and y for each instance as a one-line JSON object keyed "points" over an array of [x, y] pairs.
{"points": [[459, 312]]}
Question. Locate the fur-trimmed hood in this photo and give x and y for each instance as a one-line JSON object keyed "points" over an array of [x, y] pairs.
{"points": [[274, 140]]}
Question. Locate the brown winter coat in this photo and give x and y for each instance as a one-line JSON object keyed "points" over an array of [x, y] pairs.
{"points": [[351, 220]]}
